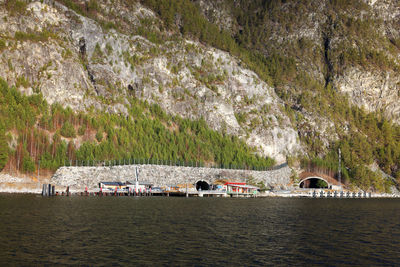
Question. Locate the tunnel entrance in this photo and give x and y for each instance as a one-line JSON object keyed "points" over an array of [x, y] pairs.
{"points": [[313, 183], [203, 185]]}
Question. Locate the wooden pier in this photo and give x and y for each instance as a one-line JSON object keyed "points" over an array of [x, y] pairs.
{"points": [[49, 190]]}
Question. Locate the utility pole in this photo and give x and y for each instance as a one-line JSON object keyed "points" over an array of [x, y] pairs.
{"points": [[340, 169], [137, 180], [187, 195], [38, 173]]}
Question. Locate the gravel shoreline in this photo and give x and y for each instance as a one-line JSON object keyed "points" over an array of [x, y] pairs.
{"points": [[25, 185]]}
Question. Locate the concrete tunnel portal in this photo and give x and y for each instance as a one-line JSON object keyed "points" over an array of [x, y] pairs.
{"points": [[202, 185], [314, 182]]}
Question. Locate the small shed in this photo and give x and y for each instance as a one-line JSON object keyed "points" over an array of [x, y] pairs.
{"points": [[241, 188]]}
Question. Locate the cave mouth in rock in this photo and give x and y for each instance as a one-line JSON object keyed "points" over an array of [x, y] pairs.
{"points": [[203, 185], [314, 183]]}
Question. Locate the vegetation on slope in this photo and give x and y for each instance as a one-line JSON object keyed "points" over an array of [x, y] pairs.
{"points": [[56, 136], [363, 137]]}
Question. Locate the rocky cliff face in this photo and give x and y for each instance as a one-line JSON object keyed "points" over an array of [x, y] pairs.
{"points": [[323, 37], [72, 60], [36, 59], [372, 90], [373, 86]]}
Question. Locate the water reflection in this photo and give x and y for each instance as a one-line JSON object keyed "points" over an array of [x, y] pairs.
{"points": [[195, 231]]}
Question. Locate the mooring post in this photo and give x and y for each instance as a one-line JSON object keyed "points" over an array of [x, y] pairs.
{"points": [[53, 190], [49, 186]]}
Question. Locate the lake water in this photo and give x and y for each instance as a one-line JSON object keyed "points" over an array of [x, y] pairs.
{"points": [[198, 231]]}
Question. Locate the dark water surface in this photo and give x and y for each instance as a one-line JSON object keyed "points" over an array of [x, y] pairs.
{"points": [[198, 231]]}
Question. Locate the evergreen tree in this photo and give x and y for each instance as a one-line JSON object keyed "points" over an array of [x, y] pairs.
{"points": [[3, 147]]}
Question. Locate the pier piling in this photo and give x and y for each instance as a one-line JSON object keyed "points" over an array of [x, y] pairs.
{"points": [[43, 190]]}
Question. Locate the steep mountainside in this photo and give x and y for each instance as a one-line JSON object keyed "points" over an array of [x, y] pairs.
{"points": [[71, 60], [316, 49], [276, 75], [352, 45]]}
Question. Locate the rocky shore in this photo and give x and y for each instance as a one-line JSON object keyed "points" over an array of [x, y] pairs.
{"points": [[19, 184]]}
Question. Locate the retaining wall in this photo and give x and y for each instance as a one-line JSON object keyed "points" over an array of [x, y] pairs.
{"points": [[160, 175]]}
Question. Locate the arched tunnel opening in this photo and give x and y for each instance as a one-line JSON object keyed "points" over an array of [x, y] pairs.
{"points": [[314, 183], [203, 185]]}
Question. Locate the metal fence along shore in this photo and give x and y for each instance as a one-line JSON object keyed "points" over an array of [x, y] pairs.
{"points": [[124, 162]]}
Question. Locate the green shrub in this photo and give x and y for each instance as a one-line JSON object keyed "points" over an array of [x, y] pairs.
{"points": [[28, 165], [66, 53], [16, 7], [2, 45], [109, 49], [93, 5], [241, 117], [108, 25], [22, 81], [42, 36], [321, 184], [68, 130], [82, 130], [3, 147], [98, 55], [99, 135]]}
